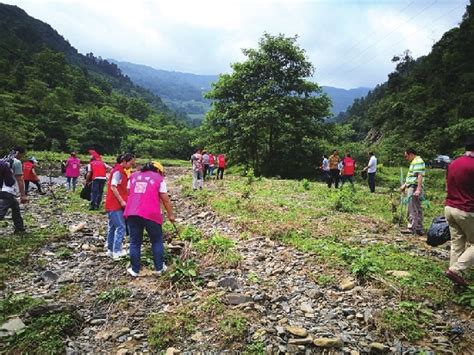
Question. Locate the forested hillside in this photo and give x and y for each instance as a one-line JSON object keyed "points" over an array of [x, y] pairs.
{"points": [[54, 98], [427, 103]]}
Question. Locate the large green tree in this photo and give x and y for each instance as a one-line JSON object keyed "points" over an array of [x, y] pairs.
{"points": [[266, 114]]}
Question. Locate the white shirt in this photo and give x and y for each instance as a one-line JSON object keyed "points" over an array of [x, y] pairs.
{"points": [[372, 164]]}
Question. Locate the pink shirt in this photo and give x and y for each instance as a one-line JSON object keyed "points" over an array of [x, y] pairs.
{"points": [[144, 196], [73, 166]]}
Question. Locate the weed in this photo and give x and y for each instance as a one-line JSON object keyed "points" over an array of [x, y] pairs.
{"points": [[183, 270], [234, 325], [305, 184], [70, 290], [364, 265], [44, 335], [253, 278], [64, 253], [16, 304], [345, 200], [408, 321], [255, 348], [212, 305], [325, 279], [190, 233], [467, 297], [115, 294], [166, 327]]}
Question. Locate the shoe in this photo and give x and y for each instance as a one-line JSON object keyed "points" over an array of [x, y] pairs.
{"points": [[420, 232], [407, 231], [455, 277], [163, 270], [110, 253], [119, 255], [131, 272]]}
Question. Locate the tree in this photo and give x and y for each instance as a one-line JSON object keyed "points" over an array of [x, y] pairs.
{"points": [[266, 110]]}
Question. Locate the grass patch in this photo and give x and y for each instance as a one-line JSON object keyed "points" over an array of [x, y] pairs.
{"points": [[69, 291], [233, 326], [115, 295], [17, 304], [222, 248], [183, 271], [64, 253]]}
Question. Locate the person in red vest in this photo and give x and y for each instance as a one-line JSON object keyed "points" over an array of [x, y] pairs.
{"points": [[115, 202], [220, 166], [348, 169], [212, 163], [97, 173], [29, 174]]}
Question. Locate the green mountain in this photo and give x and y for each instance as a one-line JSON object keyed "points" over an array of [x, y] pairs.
{"points": [[184, 92], [426, 103], [53, 97]]}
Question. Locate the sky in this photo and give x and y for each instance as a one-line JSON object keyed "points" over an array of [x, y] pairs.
{"points": [[350, 43]]}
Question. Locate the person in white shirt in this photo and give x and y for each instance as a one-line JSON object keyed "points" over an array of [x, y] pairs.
{"points": [[371, 169]]}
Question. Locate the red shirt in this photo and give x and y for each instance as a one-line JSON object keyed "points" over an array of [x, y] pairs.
{"points": [[460, 184]]}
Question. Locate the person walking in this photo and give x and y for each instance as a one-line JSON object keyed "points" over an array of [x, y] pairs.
{"points": [[348, 169], [205, 162], [11, 181], [220, 166], [459, 212], [326, 173], [147, 191], [212, 162], [73, 169], [29, 174], [371, 169], [334, 169], [413, 187], [97, 173], [115, 202], [196, 161]]}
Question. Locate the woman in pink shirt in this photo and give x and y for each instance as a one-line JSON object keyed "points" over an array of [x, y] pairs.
{"points": [[147, 190], [73, 168]]}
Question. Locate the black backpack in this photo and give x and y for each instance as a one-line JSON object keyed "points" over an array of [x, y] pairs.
{"points": [[438, 233], [6, 175]]}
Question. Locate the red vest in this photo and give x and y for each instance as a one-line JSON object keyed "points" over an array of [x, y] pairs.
{"points": [[211, 159], [28, 173], [111, 202], [349, 166], [98, 169], [221, 161]]}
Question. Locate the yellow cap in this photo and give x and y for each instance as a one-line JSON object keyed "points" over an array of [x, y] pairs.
{"points": [[158, 165]]}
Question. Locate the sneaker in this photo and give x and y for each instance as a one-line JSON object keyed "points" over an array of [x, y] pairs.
{"points": [[110, 253], [455, 277], [120, 254], [163, 270], [131, 272]]}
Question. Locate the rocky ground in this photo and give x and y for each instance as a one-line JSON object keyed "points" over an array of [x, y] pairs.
{"points": [[274, 286]]}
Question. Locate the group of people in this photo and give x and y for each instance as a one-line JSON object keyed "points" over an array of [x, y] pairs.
{"points": [[133, 199], [337, 170], [203, 164]]}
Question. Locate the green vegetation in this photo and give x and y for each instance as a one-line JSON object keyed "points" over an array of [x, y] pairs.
{"points": [[255, 348], [233, 325], [183, 271], [115, 295], [64, 253], [16, 304]]}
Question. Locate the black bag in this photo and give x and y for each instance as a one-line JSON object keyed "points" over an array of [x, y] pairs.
{"points": [[438, 233], [86, 191]]}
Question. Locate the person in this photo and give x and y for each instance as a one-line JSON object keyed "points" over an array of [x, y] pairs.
{"points": [[325, 169], [196, 161], [348, 169], [212, 162], [371, 169], [97, 173], [11, 180], [29, 174], [220, 166], [205, 162], [413, 187], [72, 171], [115, 202], [147, 190], [334, 168], [459, 213]]}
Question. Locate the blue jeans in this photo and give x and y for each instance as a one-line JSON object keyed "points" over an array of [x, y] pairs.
{"points": [[74, 183], [97, 192], [136, 225], [116, 231]]}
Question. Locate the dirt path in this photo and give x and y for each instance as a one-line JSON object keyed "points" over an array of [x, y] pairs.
{"points": [[287, 306]]}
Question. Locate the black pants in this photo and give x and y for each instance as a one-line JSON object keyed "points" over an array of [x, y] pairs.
{"points": [[27, 185], [8, 201], [220, 173], [205, 171], [334, 178], [371, 181], [97, 192], [349, 178]]}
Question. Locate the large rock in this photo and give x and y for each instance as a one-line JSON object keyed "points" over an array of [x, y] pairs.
{"points": [[13, 326], [301, 341], [235, 299], [378, 348], [347, 284], [298, 331], [229, 282], [328, 342], [49, 276]]}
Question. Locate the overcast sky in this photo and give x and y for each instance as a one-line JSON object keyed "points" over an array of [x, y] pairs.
{"points": [[349, 42]]}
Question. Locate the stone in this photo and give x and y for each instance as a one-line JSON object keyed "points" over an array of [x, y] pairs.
{"points": [[172, 351], [66, 277], [77, 227], [85, 247], [398, 273], [49, 276], [97, 321], [229, 282], [13, 325], [197, 337], [122, 352], [121, 332], [347, 284], [236, 299], [280, 330], [306, 308], [301, 341], [378, 348], [212, 284], [298, 331], [328, 342]]}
